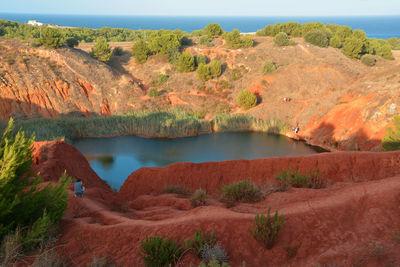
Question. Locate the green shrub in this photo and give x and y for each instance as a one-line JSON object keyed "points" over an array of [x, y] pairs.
{"points": [[71, 42], [173, 55], [157, 251], [200, 241], [51, 38], [140, 51], [153, 92], [313, 179], [204, 40], [242, 191], [225, 85], [247, 42], [268, 67], [175, 189], [391, 140], [385, 51], [246, 99], [335, 42], [353, 47], [186, 62], [213, 29], [215, 68], [281, 39], [101, 50], [198, 198], [234, 41], [214, 263], [368, 60], [200, 59], [266, 228], [38, 232], [163, 42], [317, 37], [160, 80], [204, 72], [118, 51], [394, 43]]}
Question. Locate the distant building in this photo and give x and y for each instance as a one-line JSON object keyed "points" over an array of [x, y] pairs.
{"points": [[34, 23]]}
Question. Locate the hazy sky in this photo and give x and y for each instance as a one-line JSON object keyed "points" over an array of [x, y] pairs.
{"points": [[205, 7]]}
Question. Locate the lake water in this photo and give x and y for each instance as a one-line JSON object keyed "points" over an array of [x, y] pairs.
{"points": [[382, 27], [115, 158]]}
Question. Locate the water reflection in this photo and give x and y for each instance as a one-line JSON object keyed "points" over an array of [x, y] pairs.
{"points": [[113, 159]]}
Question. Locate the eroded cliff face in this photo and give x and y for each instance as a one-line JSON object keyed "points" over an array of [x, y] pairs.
{"points": [[39, 82], [344, 224]]}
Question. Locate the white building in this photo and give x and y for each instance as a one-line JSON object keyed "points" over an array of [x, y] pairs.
{"points": [[34, 23]]}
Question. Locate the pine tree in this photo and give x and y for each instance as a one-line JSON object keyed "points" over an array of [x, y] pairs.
{"points": [[101, 50]]}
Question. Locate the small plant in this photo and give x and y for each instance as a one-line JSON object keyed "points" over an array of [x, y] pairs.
{"points": [[160, 80], [281, 39], [215, 252], [118, 51], [157, 251], [246, 99], [266, 228], [153, 92], [368, 60], [11, 248], [242, 191], [214, 263], [313, 179], [200, 241], [268, 67], [198, 198], [175, 189], [291, 251], [50, 258], [224, 85]]}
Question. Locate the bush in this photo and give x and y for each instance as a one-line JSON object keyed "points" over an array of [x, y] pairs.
{"points": [[242, 191], [204, 40], [173, 55], [160, 80], [214, 263], [268, 67], [51, 38], [164, 42], [157, 251], [186, 62], [118, 51], [175, 189], [266, 229], [385, 51], [234, 41], [368, 60], [204, 72], [140, 51], [72, 42], [198, 198], [353, 47], [215, 252], [391, 140], [200, 241], [313, 179], [213, 29], [101, 50], [281, 39], [247, 42], [11, 248], [200, 59], [153, 92], [335, 42], [317, 37], [246, 99], [215, 68]]}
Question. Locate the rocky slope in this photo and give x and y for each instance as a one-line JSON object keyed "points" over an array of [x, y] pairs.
{"points": [[355, 221], [339, 103]]}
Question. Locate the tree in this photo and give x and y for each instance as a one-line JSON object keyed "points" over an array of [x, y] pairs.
{"points": [[281, 39], [213, 29], [101, 50], [353, 47], [140, 51], [385, 51], [335, 42], [51, 38], [25, 202], [186, 62], [343, 32], [72, 42], [164, 42], [246, 99], [391, 140], [215, 68], [199, 59], [234, 41], [173, 55], [317, 37], [204, 72]]}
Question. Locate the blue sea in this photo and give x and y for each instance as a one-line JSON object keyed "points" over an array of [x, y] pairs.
{"points": [[382, 27]]}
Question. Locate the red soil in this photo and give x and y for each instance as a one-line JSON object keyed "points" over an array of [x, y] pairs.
{"points": [[345, 224]]}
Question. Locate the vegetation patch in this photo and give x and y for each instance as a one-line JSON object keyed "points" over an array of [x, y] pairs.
{"points": [[214, 254], [269, 66], [266, 228], [368, 60], [157, 251], [200, 241], [312, 179], [198, 198], [391, 140], [246, 99], [176, 189], [243, 191]]}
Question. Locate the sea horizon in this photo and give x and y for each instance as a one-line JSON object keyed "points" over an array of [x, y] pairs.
{"points": [[376, 26]]}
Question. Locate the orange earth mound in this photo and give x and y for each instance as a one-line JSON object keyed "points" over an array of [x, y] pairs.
{"points": [[355, 221]]}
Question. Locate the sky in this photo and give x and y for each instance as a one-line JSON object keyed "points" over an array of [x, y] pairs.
{"points": [[205, 7]]}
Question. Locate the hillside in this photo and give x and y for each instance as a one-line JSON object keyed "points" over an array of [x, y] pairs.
{"points": [[339, 103]]}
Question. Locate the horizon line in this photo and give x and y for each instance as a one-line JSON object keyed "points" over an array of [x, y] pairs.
{"points": [[169, 15]]}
